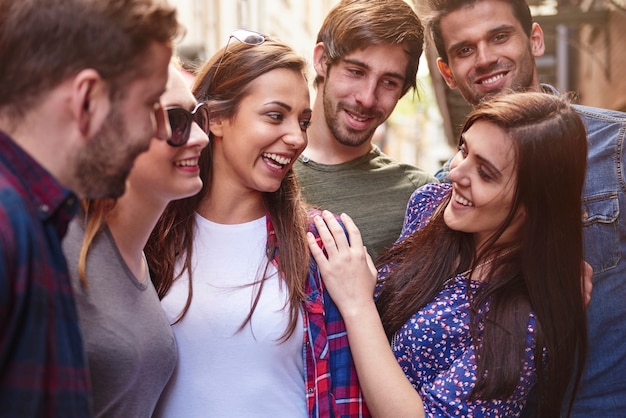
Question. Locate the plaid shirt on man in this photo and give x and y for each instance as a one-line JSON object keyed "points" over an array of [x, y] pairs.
{"points": [[43, 368], [332, 387]]}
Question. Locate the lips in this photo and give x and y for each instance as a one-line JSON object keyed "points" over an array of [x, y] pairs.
{"points": [[275, 160], [189, 162], [358, 118], [461, 200], [492, 79]]}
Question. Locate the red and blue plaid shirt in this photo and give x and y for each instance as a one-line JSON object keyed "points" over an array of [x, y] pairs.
{"points": [[332, 387], [43, 368]]}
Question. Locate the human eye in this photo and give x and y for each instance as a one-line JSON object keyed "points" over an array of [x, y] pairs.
{"points": [[276, 116], [501, 37], [484, 174], [356, 72], [390, 84], [462, 150], [304, 124], [464, 51]]}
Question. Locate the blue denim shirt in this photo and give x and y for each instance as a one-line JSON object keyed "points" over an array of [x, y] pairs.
{"points": [[602, 391]]}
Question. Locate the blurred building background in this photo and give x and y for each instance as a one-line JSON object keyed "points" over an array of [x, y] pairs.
{"points": [[585, 53]]}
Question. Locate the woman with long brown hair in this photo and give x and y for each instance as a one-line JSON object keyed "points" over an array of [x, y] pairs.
{"points": [[481, 297], [255, 331]]}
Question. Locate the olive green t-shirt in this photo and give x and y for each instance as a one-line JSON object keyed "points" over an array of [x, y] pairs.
{"points": [[373, 189]]}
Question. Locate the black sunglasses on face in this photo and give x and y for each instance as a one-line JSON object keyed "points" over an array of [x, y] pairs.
{"points": [[181, 120]]}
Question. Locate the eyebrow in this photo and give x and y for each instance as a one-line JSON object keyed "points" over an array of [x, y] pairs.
{"points": [[497, 171], [286, 106], [361, 64], [490, 33]]}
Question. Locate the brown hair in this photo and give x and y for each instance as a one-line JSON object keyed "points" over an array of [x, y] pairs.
{"points": [[540, 273], [223, 89], [357, 24], [433, 11], [43, 42]]}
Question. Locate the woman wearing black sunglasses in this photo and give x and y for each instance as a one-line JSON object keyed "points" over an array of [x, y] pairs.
{"points": [[256, 334], [129, 342]]}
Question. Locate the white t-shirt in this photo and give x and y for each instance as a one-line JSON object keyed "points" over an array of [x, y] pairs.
{"points": [[221, 371]]}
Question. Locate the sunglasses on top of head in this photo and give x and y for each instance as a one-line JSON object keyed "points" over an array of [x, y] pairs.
{"points": [[181, 120], [248, 37]]}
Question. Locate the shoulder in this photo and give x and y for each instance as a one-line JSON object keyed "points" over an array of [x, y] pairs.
{"points": [[17, 215], [432, 193], [421, 206], [592, 115], [313, 212]]}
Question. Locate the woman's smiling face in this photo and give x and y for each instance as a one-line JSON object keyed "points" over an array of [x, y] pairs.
{"points": [[260, 143], [483, 176]]}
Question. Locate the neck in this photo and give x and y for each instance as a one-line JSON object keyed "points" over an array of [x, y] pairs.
{"points": [[227, 204], [131, 222], [478, 271]]}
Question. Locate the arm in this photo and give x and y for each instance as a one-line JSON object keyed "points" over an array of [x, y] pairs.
{"points": [[350, 276]]}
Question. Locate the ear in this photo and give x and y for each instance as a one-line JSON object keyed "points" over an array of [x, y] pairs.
{"points": [[446, 73], [216, 127], [90, 101], [537, 44], [319, 59]]}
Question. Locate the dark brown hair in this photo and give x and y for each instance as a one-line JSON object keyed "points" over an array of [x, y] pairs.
{"points": [[223, 89], [541, 272]]}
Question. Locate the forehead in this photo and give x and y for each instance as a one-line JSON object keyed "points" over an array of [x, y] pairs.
{"points": [[474, 21], [281, 84], [491, 142], [177, 92]]}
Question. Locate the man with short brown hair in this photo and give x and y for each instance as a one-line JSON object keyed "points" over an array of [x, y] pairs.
{"points": [[80, 87]]}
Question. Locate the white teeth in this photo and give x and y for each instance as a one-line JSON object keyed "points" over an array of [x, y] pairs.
{"points": [[279, 159], [461, 200], [358, 119], [492, 79], [187, 163]]}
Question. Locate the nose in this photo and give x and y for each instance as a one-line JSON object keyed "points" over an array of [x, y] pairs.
{"points": [[458, 170], [162, 123], [367, 95], [197, 137], [485, 56], [295, 136]]}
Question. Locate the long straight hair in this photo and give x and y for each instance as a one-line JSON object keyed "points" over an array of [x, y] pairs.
{"points": [[223, 82], [540, 273]]}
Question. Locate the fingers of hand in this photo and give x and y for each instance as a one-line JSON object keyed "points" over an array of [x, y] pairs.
{"points": [[354, 234]]}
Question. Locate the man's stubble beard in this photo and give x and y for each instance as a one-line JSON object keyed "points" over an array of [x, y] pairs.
{"points": [[106, 160], [340, 133]]}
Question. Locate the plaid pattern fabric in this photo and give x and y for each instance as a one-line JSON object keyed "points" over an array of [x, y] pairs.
{"points": [[332, 387], [43, 369]]}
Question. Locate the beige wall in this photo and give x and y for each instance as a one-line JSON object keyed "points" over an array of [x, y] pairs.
{"points": [[602, 70]]}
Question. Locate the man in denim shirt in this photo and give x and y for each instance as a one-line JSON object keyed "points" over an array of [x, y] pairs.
{"points": [[487, 46]]}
